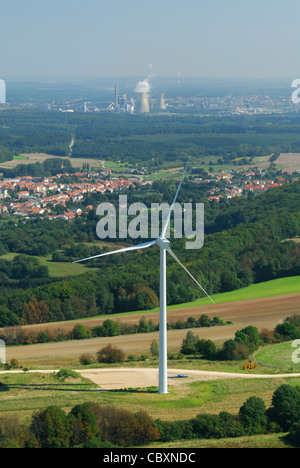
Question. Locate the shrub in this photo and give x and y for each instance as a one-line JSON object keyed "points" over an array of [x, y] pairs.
{"points": [[191, 322], [84, 425], [204, 321], [248, 336], [230, 424], [207, 349], [267, 336], [287, 331], [42, 337], [206, 426], [154, 348], [253, 416], [131, 357], [174, 430], [14, 363], [86, 359], [108, 328], [293, 437], [80, 332], [51, 428], [67, 373], [13, 434], [229, 348], [110, 354], [123, 428], [189, 344], [285, 408]]}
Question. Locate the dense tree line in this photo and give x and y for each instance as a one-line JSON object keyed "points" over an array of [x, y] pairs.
{"points": [[90, 425], [36, 312], [244, 343]]}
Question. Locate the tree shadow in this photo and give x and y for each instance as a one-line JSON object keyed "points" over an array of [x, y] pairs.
{"points": [[48, 387]]}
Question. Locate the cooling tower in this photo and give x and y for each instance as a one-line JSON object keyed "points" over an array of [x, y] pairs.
{"points": [[162, 105], [2, 92], [116, 96], [142, 103]]}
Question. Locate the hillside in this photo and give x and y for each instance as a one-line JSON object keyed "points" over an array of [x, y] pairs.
{"points": [[245, 244]]}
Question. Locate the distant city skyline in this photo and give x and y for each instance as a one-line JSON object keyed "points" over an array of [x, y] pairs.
{"points": [[169, 38]]}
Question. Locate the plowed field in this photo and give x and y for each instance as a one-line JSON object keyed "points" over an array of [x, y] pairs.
{"points": [[261, 313]]}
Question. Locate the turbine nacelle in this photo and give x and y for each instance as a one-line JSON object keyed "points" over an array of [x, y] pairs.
{"points": [[163, 243]]}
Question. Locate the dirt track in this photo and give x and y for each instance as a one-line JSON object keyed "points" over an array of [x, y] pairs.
{"points": [[262, 313], [109, 379], [124, 378]]}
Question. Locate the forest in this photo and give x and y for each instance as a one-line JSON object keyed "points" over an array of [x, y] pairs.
{"points": [[26, 131], [154, 140], [245, 242]]}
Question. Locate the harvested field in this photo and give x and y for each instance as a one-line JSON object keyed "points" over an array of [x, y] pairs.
{"points": [[262, 313], [289, 161], [33, 158]]}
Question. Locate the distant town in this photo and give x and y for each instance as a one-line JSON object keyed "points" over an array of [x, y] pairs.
{"points": [[143, 99], [28, 196], [31, 196]]}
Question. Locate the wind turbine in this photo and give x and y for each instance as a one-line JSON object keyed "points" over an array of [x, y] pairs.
{"points": [[164, 246]]}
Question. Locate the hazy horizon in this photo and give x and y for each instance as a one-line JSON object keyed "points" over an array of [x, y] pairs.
{"points": [[91, 39]]}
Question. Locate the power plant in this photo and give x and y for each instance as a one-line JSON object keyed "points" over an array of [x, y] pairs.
{"points": [[142, 104], [2, 92], [162, 104]]}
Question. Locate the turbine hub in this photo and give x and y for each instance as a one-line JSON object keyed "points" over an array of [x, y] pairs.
{"points": [[163, 243]]}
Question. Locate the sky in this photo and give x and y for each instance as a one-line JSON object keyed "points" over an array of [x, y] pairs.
{"points": [[167, 38]]}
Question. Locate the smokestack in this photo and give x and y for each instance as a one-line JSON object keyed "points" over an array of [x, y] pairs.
{"points": [[142, 103], [162, 105]]}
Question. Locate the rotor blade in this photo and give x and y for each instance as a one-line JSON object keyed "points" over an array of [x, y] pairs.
{"points": [[185, 269], [163, 233], [126, 249]]}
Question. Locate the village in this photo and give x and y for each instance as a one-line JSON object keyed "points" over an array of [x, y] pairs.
{"points": [[239, 183], [33, 196], [28, 196]]}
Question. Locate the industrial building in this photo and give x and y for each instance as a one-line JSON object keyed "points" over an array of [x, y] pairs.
{"points": [[142, 104], [2, 92]]}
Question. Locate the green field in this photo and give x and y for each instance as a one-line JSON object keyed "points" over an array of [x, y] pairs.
{"points": [[276, 287], [255, 291], [278, 357], [56, 269], [30, 392], [19, 158], [259, 441]]}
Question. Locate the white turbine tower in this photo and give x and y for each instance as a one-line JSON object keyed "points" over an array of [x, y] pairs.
{"points": [[164, 245]]}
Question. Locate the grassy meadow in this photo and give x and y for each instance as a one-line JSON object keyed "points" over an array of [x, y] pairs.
{"points": [[56, 269], [28, 392], [278, 357]]}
